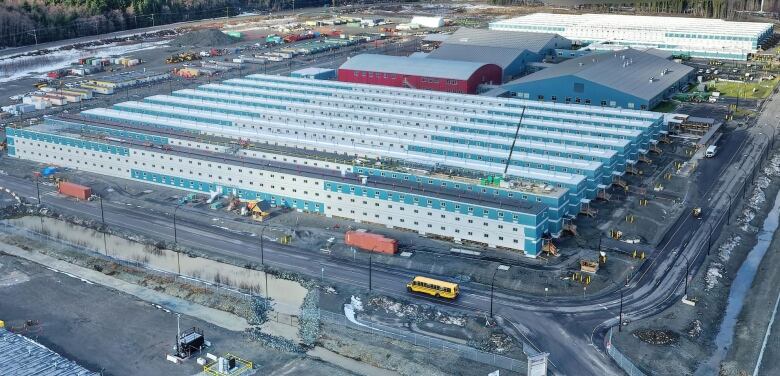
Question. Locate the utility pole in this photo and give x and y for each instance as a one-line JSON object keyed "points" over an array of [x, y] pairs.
{"points": [[369, 272], [262, 259], [176, 241], [728, 217], [103, 219], [687, 267], [38, 189], [492, 285], [620, 322]]}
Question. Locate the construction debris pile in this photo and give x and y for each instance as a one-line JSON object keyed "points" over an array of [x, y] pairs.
{"points": [[657, 336], [203, 38], [411, 312], [694, 329]]}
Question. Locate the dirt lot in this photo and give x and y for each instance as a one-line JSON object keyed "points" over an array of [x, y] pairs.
{"points": [[693, 329], [118, 334]]}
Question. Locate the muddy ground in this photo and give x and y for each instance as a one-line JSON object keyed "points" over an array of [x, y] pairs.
{"points": [[113, 332], [695, 328]]}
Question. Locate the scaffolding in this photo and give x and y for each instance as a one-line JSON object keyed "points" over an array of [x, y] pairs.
{"points": [[631, 168], [617, 179], [602, 193], [654, 147], [585, 209], [569, 226]]}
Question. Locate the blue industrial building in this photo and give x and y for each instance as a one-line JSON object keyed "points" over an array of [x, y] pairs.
{"points": [[510, 50], [626, 78]]}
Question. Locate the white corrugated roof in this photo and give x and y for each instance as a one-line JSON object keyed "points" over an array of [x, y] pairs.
{"points": [[428, 67]]}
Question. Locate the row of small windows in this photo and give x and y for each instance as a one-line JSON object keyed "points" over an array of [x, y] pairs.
{"points": [[428, 225], [379, 95], [428, 108]]}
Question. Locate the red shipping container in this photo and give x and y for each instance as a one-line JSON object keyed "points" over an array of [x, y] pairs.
{"points": [[74, 190], [371, 242]]}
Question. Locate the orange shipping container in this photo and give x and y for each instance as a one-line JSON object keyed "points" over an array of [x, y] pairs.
{"points": [[371, 242], [74, 190]]}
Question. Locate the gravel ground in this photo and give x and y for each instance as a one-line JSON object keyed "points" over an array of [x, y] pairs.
{"points": [[711, 287], [114, 332]]}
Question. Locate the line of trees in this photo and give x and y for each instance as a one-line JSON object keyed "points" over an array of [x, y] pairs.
{"points": [[24, 22], [727, 9]]}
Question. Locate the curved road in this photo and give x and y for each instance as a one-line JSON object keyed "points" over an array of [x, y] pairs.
{"points": [[571, 329]]}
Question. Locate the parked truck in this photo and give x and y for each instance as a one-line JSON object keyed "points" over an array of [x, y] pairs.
{"points": [[371, 242], [74, 190]]}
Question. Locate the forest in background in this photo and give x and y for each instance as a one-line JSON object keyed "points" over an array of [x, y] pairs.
{"points": [[726, 9], [24, 22]]}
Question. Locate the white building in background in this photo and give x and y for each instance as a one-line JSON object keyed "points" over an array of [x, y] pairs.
{"points": [[427, 21], [696, 37]]}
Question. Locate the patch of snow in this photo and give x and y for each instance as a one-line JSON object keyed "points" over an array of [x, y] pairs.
{"points": [[357, 304], [725, 249], [712, 277], [773, 167]]}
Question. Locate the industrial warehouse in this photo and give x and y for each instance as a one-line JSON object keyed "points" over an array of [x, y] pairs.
{"points": [[627, 78], [494, 171], [394, 188], [694, 37]]}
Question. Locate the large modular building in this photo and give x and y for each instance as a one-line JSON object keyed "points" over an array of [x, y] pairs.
{"points": [[626, 78], [695, 37], [497, 172], [419, 73], [512, 51]]}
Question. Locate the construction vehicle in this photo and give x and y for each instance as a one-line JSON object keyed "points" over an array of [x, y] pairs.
{"points": [[696, 212], [233, 203], [188, 198], [184, 56], [589, 266], [259, 210]]}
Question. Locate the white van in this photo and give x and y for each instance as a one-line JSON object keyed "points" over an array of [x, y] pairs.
{"points": [[711, 151]]}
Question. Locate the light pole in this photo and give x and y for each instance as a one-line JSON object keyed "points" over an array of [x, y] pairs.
{"points": [[262, 259], [262, 251], [492, 286], [103, 219], [176, 239], [38, 189], [620, 322], [370, 279], [687, 266], [728, 217]]}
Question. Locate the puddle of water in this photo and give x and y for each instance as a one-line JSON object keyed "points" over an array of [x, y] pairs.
{"points": [[287, 294], [739, 289]]}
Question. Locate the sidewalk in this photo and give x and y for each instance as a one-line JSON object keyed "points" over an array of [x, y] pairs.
{"points": [[348, 364], [219, 318]]}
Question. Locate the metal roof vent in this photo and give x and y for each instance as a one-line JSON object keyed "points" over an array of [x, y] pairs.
{"points": [[652, 79]]}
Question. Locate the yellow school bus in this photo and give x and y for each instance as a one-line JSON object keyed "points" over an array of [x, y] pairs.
{"points": [[433, 287]]}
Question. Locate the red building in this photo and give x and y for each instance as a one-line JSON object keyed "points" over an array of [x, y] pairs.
{"points": [[419, 73]]}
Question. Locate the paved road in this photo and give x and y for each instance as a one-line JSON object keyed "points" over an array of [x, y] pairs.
{"points": [[571, 329]]}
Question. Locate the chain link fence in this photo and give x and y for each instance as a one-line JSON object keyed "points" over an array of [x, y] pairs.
{"points": [[426, 342], [623, 361], [340, 319]]}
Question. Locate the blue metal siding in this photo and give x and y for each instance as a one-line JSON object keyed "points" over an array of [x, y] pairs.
{"points": [[201, 186]]}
